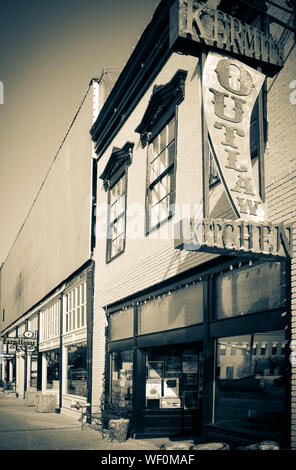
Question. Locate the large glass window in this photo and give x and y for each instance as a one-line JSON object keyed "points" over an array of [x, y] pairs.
{"points": [[53, 371], [161, 175], [33, 372], [174, 378], [121, 324], [50, 322], [249, 386], [77, 370], [240, 291], [116, 218], [75, 308], [182, 308], [122, 380]]}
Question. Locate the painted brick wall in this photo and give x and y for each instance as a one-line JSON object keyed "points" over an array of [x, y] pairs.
{"points": [[149, 260], [145, 264], [280, 165]]}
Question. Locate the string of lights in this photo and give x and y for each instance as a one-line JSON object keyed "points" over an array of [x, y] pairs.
{"points": [[172, 290]]}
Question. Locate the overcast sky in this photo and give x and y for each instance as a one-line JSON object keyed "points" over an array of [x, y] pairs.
{"points": [[49, 51]]}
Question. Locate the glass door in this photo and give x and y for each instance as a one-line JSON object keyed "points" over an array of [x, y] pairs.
{"points": [[173, 388]]}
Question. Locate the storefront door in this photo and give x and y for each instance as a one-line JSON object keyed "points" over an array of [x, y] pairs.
{"points": [[173, 389]]}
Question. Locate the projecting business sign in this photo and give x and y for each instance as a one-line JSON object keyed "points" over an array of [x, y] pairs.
{"points": [[26, 343], [196, 21], [230, 89], [235, 237]]}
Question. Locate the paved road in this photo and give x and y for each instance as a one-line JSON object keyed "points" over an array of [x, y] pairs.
{"points": [[22, 428]]}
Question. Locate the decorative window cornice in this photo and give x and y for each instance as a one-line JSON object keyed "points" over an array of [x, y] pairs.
{"points": [[162, 98], [120, 158]]}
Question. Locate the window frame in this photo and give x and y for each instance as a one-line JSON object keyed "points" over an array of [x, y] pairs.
{"points": [[73, 310], [162, 124], [109, 240]]}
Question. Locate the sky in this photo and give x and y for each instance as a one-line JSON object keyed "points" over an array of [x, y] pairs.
{"points": [[49, 51]]}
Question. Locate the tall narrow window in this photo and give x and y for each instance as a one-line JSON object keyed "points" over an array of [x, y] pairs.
{"points": [[75, 308], [114, 178], [161, 175], [116, 225], [158, 130]]}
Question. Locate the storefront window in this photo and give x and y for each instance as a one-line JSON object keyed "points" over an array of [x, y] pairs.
{"points": [[174, 378], [249, 387], [121, 324], [180, 309], [239, 292], [33, 374], [77, 371], [52, 369], [122, 380]]}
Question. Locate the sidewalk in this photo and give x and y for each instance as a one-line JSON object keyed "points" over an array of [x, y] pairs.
{"points": [[22, 428]]}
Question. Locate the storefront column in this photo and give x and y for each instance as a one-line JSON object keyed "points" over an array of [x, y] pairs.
{"points": [[26, 364], [89, 325], [20, 375], [139, 377], [39, 366], [29, 366], [10, 371], [3, 368], [44, 373], [61, 353]]}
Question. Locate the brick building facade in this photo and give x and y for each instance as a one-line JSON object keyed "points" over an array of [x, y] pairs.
{"points": [[190, 281], [194, 334]]}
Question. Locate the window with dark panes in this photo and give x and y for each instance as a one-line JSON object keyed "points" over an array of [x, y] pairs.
{"points": [[249, 389], [77, 369], [33, 372], [53, 370], [122, 380], [161, 175], [157, 129], [274, 349], [114, 179], [117, 211]]}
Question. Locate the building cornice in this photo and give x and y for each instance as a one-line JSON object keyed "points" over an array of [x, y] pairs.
{"points": [[148, 57]]}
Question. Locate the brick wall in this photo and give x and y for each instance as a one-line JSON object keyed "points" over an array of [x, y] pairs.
{"points": [[280, 167], [145, 264]]}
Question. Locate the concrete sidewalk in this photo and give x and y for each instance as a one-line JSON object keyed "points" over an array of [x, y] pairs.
{"points": [[22, 428]]}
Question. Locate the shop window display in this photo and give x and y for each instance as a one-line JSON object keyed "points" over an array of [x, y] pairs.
{"points": [[77, 371], [249, 387], [52, 369], [122, 380], [33, 374], [174, 379]]}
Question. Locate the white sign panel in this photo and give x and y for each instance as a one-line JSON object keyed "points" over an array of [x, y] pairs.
{"points": [[230, 90]]}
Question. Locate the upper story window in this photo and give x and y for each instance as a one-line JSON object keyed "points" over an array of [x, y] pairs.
{"points": [[33, 324], [114, 178], [50, 322], [158, 131], [75, 308], [116, 216], [161, 175]]}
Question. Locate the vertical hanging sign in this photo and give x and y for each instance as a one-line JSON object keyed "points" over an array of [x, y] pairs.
{"points": [[230, 90]]}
